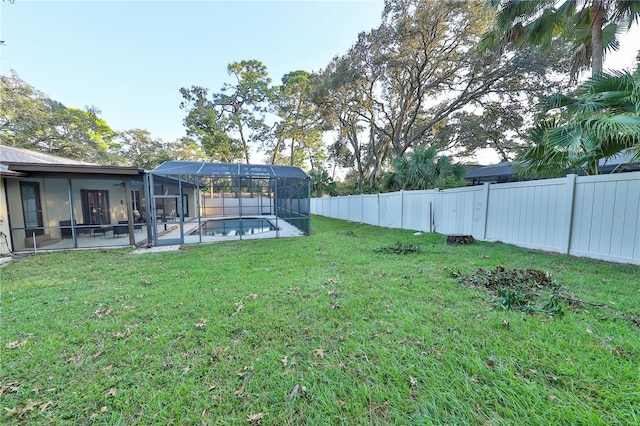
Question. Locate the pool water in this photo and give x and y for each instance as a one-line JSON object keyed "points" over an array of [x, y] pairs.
{"points": [[231, 227]]}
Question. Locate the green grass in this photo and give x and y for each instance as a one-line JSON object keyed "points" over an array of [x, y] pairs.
{"points": [[214, 334]]}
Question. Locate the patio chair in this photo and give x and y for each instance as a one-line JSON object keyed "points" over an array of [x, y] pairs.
{"points": [[121, 228], [65, 229]]}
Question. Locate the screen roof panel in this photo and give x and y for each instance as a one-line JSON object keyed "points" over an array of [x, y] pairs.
{"points": [[193, 168]]}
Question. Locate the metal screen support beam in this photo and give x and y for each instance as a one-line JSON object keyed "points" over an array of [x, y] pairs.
{"points": [[275, 206], [151, 211], [240, 200], [127, 196], [198, 204], [71, 215]]}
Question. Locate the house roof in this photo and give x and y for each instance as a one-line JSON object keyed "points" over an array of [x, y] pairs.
{"points": [[16, 160], [13, 155], [622, 162], [506, 168], [4, 171]]}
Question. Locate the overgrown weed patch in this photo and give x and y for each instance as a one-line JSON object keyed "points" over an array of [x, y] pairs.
{"points": [[400, 248], [526, 289]]}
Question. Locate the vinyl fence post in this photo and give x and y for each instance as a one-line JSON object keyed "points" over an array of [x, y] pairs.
{"points": [[568, 213], [486, 210], [402, 209]]}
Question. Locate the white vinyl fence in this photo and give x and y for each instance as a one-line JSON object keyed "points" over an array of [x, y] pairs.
{"points": [[589, 216]]}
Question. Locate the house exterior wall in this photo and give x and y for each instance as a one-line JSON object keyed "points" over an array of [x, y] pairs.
{"points": [[5, 242], [54, 199]]}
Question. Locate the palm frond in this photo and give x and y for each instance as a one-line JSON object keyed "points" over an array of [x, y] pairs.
{"points": [[627, 11], [610, 37], [624, 127], [542, 30]]}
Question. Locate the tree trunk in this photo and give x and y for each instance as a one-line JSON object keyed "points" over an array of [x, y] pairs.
{"points": [[293, 151], [276, 150], [596, 37], [245, 147]]}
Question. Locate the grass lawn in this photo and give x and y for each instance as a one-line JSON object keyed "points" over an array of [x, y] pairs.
{"points": [[317, 330]]}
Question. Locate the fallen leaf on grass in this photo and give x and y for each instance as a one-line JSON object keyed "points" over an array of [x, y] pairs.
{"points": [[21, 411], [554, 398], [285, 360], [255, 418], [16, 344], [245, 380], [251, 296], [120, 334], [45, 406], [319, 353], [239, 307], [104, 410], [75, 359], [112, 392], [11, 386], [491, 362], [97, 354], [298, 390], [201, 324], [413, 381], [99, 313], [108, 368], [240, 391]]}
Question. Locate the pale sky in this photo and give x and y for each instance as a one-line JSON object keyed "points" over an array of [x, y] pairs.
{"points": [[129, 59]]}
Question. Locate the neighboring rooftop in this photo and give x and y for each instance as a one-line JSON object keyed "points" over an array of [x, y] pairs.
{"points": [[506, 171]]}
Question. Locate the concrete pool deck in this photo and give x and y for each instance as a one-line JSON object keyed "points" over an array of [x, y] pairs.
{"points": [[285, 230]]}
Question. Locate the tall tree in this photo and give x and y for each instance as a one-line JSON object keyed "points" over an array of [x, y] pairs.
{"points": [[402, 79], [299, 124], [235, 115], [186, 149], [500, 127], [593, 26], [30, 119], [139, 149], [203, 124]]}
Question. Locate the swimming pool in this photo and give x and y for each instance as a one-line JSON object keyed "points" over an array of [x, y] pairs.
{"points": [[231, 227]]}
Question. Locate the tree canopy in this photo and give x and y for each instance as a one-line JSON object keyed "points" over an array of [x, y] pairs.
{"points": [[592, 26], [425, 80]]}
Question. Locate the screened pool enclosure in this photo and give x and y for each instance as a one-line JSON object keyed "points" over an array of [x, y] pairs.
{"points": [[201, 202]]}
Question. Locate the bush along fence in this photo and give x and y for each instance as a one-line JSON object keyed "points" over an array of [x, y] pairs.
{"points": [[588, 216]]}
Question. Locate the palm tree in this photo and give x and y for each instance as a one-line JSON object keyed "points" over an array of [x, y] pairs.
{"points": [[423, 169], [602, 120], [592, 26]]}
